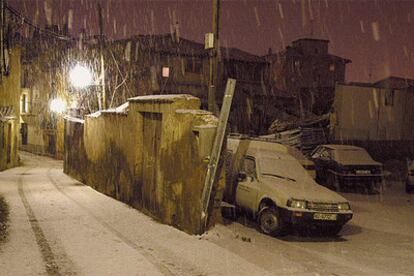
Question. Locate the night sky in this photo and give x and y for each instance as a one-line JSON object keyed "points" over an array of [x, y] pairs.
{"points": [[378, 36]]}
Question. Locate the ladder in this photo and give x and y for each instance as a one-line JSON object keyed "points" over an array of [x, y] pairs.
{"points": [[216, 150]]}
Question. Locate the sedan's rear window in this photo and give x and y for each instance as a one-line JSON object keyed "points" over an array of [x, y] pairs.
{"points": [[352, 155]]}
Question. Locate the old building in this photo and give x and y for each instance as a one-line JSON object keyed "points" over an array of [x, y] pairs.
{"points": [[43, 79], [167, 64], [308, 72], [378, 116], [9, 110], [38, 124], [302, 76]]}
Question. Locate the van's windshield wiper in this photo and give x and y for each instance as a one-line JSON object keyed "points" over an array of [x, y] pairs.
{"points": [[279, 176]]}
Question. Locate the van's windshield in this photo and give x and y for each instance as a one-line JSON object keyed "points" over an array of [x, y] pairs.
{"points": [[288, 169]]}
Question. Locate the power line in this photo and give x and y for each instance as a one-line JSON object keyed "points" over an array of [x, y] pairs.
{"points": [[29, 23]]}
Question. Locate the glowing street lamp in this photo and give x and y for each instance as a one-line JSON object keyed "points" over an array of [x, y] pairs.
{"points": [[80, 76], [58, 106]]}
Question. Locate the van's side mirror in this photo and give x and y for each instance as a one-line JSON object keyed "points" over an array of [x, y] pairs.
{"points": [[242, 176]]}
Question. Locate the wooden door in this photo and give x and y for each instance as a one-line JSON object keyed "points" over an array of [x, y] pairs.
{"points": [[9, 142], [152, 127]]}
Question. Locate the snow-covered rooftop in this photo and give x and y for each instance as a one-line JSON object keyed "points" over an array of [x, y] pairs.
{"points": [[162, 98], [73, 119]]}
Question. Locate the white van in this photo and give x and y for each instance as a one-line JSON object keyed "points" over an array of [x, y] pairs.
{"points": [[270, 184]]}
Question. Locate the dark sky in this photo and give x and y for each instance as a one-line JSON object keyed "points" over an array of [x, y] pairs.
{"points": [[377, 35]]}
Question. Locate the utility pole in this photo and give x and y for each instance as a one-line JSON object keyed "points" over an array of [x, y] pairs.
{"points": [[101, 49], [212, 86], [2, 22]]}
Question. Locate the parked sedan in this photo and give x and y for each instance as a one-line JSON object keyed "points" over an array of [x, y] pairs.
{"points": [[344, 166], [409, 184]]}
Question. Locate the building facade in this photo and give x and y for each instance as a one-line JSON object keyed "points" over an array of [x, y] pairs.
{"points": [[44, 78], [377, 116], [308, 72], [166, 64], [9, 111]]}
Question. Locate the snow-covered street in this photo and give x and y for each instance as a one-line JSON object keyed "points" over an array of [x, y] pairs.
{"points": [[379, 240], [59, 226]]}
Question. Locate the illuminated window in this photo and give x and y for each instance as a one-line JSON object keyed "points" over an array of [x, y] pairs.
{"points": [[24, 104], [165, 72]]}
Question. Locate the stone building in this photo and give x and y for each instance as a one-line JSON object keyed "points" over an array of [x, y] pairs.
{"points": [[308, 72], [43, 79], [166, 64], [9, 111]]}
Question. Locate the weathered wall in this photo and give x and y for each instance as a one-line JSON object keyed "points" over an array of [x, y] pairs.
{"points": [[362, 114], [9, 97], [363, 119], [150, 157], [43, 80], [8, 144]]}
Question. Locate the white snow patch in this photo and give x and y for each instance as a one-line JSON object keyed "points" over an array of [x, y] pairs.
{"points": [[170, 97]]}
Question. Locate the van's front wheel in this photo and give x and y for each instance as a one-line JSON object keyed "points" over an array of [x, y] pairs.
{"points": [[270, 222]]}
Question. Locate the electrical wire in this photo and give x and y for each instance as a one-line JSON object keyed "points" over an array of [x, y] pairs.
{"points": [[29, 23]]}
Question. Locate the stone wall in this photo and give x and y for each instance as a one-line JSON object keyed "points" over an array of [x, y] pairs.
{"points": [[150, 154], [9, 99]]}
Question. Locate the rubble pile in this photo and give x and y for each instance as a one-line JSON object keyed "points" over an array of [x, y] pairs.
{"points": [[304, 134]]}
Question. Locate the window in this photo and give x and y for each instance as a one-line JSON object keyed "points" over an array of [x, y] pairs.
{"points": [[25, 78], [24, 103], [193, 65], [165, 72], [249, 166], [389, 97]]}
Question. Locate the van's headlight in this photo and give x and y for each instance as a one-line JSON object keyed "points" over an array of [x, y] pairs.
{"points": [[344, 206], [296, 203]]}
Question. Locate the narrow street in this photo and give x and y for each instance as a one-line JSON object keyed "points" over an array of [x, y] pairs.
{"points": [[59, 226]]}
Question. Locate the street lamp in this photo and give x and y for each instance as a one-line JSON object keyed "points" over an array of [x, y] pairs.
{"points": [[80, 76], [57, 106]]}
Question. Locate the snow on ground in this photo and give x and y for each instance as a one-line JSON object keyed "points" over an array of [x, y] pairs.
{"points": [[379, 240], [58, 225]]}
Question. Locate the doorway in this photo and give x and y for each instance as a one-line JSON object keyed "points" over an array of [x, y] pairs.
{"points": [[24, 132], [9, 142], [51, 147], [152, 128]]}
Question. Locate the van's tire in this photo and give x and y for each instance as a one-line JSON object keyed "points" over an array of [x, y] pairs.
{"points": [[270, 222]]}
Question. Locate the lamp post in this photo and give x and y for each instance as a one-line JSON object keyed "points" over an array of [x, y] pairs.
{"points": [[58, 106], [80, 76]]}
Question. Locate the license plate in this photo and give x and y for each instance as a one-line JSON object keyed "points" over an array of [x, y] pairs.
{"points": [[320, 216], [363, 171]]}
